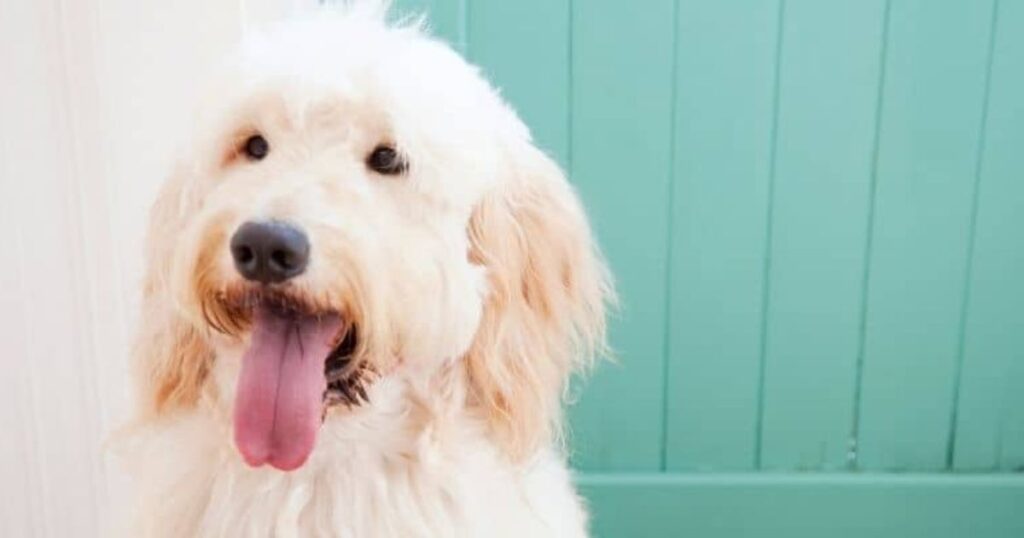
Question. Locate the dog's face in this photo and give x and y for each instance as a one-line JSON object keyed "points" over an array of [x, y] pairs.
{"points": [[359, 200]]}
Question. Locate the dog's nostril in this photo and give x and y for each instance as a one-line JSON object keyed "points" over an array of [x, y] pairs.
{"points": [[270, 251], [282, 258], [243, 254]]}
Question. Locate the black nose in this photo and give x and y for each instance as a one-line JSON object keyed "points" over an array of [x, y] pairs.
{"points": [[269, 251]]}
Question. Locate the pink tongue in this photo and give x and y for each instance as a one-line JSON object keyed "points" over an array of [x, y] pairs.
{"points": [[279, 401]]}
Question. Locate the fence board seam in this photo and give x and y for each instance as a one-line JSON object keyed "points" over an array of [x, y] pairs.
{"points": [[854, 453], [767, 256], [972, 227], [666, 346]]}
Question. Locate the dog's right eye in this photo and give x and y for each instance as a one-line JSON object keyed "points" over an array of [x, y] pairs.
{"points": [[256, 147], [386, 160]]}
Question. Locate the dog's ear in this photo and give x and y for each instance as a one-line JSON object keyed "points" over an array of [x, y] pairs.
{"points": [[171, 357], [544, 317]]}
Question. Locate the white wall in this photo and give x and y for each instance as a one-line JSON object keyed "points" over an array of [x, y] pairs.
{"points": [[94, 96]]}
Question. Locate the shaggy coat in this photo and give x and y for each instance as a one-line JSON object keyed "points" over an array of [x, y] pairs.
{"points": [[461, 279]]}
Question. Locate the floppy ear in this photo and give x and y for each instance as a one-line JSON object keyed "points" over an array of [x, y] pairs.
{"points": [[171, 357], [545, 315]]}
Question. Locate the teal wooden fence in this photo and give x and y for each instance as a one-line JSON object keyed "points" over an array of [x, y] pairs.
{"points": [[815, 213]]}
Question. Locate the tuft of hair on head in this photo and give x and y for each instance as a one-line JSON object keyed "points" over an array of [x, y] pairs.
{"points": [[378, 12], [545, 316]]}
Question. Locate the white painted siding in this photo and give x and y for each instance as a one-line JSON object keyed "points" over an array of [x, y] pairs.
{"points": [[94, 96]]}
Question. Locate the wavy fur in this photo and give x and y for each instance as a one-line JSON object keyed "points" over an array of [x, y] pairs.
{"points": [[473, 279]]}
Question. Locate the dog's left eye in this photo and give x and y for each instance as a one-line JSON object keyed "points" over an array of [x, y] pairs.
{"points": [[386, 160], [256, 147]]}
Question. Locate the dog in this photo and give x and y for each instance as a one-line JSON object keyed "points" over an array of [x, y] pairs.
{"points": [[366, 291]]}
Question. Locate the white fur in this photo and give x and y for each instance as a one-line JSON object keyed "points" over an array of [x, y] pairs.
{"points": [[473, 280], [371, 475]]}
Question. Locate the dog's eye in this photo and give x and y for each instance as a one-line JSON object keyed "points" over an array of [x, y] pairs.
{"points": [[256, 147], [386, 160]]}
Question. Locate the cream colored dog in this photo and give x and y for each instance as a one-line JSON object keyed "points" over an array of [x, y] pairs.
{"points": [[366, 292]]}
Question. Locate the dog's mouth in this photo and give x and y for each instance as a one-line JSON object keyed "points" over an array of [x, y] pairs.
{"points": [[299, 362]]}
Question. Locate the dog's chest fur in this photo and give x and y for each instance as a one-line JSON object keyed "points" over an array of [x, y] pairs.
{"points": [[376, 472]]}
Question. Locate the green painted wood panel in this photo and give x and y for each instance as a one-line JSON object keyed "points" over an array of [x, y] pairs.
{"points": [[806, 506], [531, 72], [828, 95], [724, 102], [620, 153], [931, 113], [990, 417]]}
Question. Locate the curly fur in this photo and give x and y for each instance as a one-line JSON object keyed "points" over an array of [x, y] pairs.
{"points": [[473, 279]]}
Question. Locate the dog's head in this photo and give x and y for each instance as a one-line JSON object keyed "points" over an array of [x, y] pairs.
{"points": [[357, 199]]}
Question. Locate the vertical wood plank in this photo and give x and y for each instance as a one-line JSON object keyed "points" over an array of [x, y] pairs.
{"points": [[724, 110], [87, 232], [828, 91], [990, 416], [40, 166], [20, 510], [621, 127], [935, 73], [531, 72], [445, 18]]}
